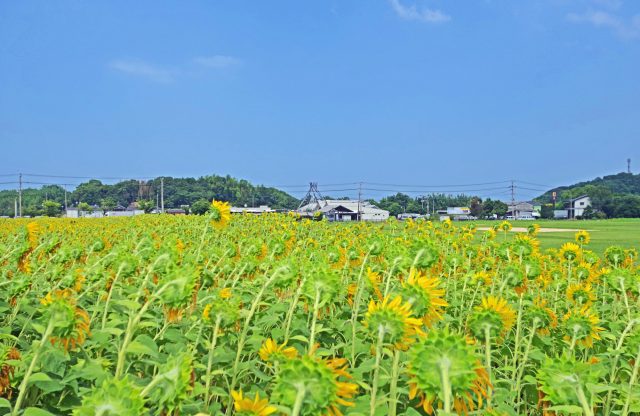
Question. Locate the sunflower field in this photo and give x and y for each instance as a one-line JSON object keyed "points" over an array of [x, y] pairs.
{"points": [[274, 315]]}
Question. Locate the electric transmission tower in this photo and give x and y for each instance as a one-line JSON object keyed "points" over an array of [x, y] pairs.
{"points": [[313, 196]]}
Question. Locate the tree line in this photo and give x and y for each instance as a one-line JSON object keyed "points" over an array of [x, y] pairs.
{"points": [[178, 192]]}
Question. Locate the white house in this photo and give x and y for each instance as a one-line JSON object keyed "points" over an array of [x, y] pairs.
{"points": [[573, 208], [345, 210], [456, 214], [262, 209], [578, 205]]}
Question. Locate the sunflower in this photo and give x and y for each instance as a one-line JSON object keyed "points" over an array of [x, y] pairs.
{"points": [[270, 351], [565, 381], [442, 360], [524, 245], [375, 280], [481, 277], [582, 325], [533, 229], [71, 322], [32, 234], [569, 252], [505, 226], [580, 294], [395, 318], [582, 237], [425, 296], [220, 213], [494, 313], [490, 234], [323, 384], [544, 316], [6, 369], [253, 407]]}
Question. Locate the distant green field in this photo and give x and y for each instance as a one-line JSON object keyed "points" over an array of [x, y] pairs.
{"points": [[604, 233]]}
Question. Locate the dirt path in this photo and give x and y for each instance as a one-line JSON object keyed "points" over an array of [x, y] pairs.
{"points": [[541, 230]]}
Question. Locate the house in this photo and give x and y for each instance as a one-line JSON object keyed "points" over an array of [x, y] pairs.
{"points": [[456, 214], [578, 205], [262, 209], [344, 210], [522, 211], [573, 208]]}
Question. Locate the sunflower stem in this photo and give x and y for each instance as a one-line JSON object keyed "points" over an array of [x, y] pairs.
{"points": [[586, 408], [632, 381], [445, 365], [292, 308], [354, 313], [376, 371], [212, 347], [297, 406], [516, 349], [393, 388], [487, 352], [614, 364], [523, 364], [244, 333], [626, 299], [314, 319], [34, 360]]}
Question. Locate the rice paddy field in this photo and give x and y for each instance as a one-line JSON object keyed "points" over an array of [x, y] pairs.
{"points": [[273, 315]]}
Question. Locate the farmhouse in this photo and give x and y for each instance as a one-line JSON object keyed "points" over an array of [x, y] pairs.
{"points": [[344, 210], [573, 208], [522, 211]]}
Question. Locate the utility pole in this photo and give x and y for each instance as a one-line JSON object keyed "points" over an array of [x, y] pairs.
{"points": [[513, 200], [20, 195], [359, 198], [65, 198], [162, 195], [629, 165], [15, 208]]}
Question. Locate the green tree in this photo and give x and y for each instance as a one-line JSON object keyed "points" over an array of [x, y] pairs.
{"points": [[84, 207], [108, 204], [146, 205], [200, 207], [51, 208]]}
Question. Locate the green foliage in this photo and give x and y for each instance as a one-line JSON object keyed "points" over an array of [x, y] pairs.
{"points": [[177, 192], [200, 207], [51, 208]]}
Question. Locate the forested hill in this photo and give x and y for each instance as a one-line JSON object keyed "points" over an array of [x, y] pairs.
{"points": [[612, 196], [177, 192], [618, 184]]}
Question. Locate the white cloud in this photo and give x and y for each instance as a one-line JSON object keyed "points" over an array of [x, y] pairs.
{"points": [[413, 13], [217, 61], [624, 29], [142, 69]]}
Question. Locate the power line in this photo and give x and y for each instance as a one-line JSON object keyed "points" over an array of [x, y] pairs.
{"points": [[435, 186]]}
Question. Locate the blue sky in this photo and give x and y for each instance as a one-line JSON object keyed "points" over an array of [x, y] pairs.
{"points": [[420, 92]]}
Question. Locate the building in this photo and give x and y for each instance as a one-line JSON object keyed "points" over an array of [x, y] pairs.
{"points": [[262, 209], [344, 210], [456, 214], [573, 208], [522, 211]]}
